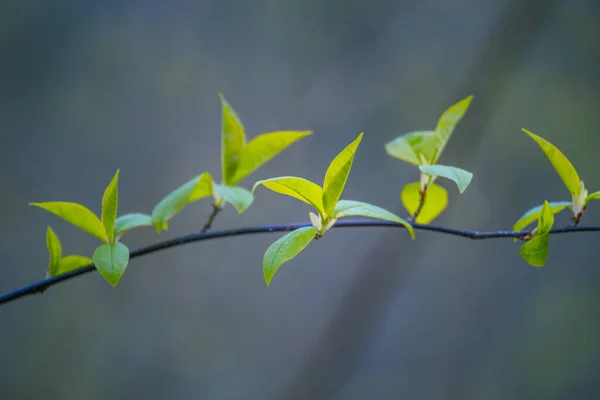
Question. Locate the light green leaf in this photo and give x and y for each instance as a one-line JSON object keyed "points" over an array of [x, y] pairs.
{"points": [[204, 187], [130, 221], [535, 251], [563, 166], [411, 146], [110, 202], [71, 263], [461, 177], [111, 261], [239, 197], [534, 214], [298, 188], [436, 201], [233, 140], [286, 248], [175, 201], [54, 249], [592, 196], [337, 174], [77, 215], [546, 219], [447, 122], [261, 149], [348, 208]]}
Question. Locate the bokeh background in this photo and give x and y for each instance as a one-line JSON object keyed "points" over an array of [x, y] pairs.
{"points": [[87, 87]]}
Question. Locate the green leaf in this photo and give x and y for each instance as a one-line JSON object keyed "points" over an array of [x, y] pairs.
{"points": [[77, 215], [204, 187], [446, 124], [130, 221], [71, 263], [563, 166], [175, 201], [233, 140], [263, 148], [347, 208], [110, 202], [535, 251], [592, 196], [534, 214], [414, 145], [436, 201], [546, 219], [286, 248], [111, 260], [298, 188], [54, 249], [239, 197], [461, 177], [337, 174]]}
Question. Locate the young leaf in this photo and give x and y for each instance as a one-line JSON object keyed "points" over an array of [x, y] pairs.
{"points": [[233, 140], [447, 122], [77, 215], [461, 177], [175, 201], [204, 187], [563, 166], [347, 208], [591, 196], [263, 148], [130, 221], [111, 260], [54, 249], [337, 174], [534, 214], [546, 219], [286, 248], [110, 202], [436, 201], [535, 251], [71, 263], [239, 197], [412, 146], [298, 188]]}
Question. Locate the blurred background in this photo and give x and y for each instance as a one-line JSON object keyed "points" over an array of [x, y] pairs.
{"points": [[88, 87]]}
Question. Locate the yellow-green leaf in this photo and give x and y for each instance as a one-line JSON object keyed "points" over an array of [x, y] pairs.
{"points": [[447, 122], [54, 249], [436, 201], [239, 197], [535, 251], [203, 188], [533, 214], [337, 174], [413, 147], [110, 202], [130, 221], [77, 215], [347, 208], [263, 148], [546, 219], [298, 188], [563, 166], [459, 176], [233, 140], [592, 196], [111, 260], [286, 248], [71, 263]]}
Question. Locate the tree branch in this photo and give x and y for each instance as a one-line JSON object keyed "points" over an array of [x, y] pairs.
{"points": [[211, 218], [40, 286]]}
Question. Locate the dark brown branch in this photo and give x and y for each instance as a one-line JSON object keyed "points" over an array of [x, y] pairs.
{"points": [[43, 284], [211, 218]]}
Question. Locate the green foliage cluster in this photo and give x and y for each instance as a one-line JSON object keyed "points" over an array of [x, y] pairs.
{"points": [[424, 200]]}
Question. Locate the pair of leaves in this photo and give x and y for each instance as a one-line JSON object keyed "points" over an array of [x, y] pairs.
{"points": [[238, 158], [327, 203], [424, 148], [110, 258], [58, 264], [569, 176], [535, 250]]}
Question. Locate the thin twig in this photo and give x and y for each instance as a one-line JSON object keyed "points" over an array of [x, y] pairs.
{"points": [[423, 194], [211, 218], [40, 286]]}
